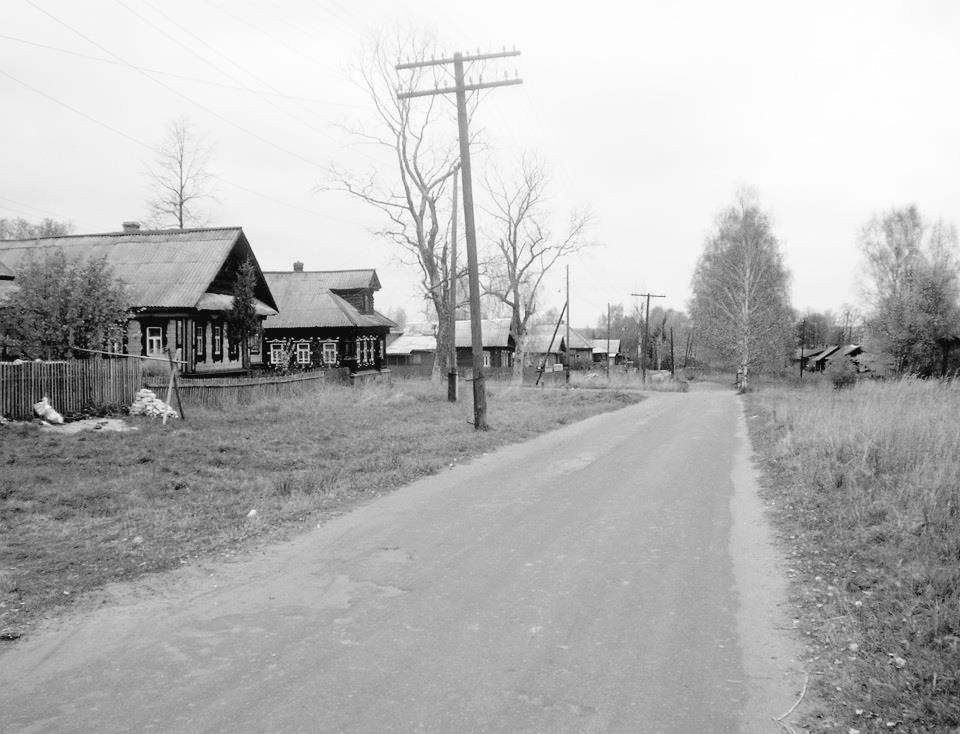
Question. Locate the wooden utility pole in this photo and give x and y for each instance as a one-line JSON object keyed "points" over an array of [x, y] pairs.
{"points": [[673, 364], [608, 341], [646, 334], [452, 374], [567, 375], [460, 89], [803, 338]]}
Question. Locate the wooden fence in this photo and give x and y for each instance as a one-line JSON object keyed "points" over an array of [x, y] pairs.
{"points": [[71, 386], [225, 391]]}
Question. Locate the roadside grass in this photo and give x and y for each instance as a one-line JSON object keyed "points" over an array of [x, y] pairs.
{"points": [[81, 510], [864, 483]]}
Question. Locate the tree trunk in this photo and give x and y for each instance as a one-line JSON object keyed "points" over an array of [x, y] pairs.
{"points": [[519, 355]]}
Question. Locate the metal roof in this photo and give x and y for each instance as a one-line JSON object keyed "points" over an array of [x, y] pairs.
{"points": [[224, 302], [542, 333], [495, 333], [408, 343], [5, 272], [304, 302], [335, 280], [161, 268], [600, 346]]}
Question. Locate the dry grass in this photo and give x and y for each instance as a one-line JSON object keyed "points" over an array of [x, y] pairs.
{"points": [[80, 510], [866, 486]]}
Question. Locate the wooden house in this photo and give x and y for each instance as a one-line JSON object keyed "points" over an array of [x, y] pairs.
{"points": [[416, 345], [498, 344], [607, 351], [180, 283], [326, 319], [539, 348]]}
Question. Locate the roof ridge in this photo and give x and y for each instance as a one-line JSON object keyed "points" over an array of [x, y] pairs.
{"points": [[123, 233]]}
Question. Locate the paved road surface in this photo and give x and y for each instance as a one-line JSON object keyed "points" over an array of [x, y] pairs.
{"points": [[613, 576]]}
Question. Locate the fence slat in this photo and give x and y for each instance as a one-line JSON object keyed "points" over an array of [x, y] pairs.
{"points": [[70, 386]]}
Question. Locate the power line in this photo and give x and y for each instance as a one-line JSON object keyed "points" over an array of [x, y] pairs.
{"points": [[182, 77], [76, 111], [175, 91], [227, 74], [149, 147]]}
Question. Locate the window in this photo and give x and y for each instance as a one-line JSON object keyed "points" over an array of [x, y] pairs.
{"points": [[253, 341], [303, 352], [200, 342], [217, 342], [276, 353], [154, 340], [330, 353], [486, 359], [179, 328]]}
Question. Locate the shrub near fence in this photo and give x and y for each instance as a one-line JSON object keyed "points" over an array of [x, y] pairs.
{"points": [[72, 386], [218, 392]]}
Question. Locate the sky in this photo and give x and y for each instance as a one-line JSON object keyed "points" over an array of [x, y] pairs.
{"points": [[651, 114]]}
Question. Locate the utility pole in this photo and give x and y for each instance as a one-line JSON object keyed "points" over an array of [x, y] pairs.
{"points": [[673, 364], [452, 374], [567, 376], [803, 338], [608, 341], [646, 334], [460, 89]]}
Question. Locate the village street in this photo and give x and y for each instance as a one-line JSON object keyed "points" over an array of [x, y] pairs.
{"points": [[614, 575]]}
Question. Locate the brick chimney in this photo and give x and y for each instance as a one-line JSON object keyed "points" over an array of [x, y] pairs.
{"points": [[131, 226], [298, 267]]}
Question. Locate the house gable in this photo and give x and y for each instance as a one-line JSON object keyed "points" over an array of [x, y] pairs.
{"points": [[162, 269]]}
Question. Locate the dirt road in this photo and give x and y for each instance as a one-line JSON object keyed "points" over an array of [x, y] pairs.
{"points": [[613, 576]]}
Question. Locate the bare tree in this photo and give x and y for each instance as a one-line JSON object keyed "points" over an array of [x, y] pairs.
{"points": [[523, 248], [180, 178], [740, 305], [420, 137]]}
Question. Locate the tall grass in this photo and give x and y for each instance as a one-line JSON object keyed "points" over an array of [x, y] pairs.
{"points": [[80, 510], [866, 483]]}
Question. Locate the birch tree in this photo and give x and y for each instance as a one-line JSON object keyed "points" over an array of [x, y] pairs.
{"points": [[419, 137], [523, 248], [740, 305], [180, 179]]}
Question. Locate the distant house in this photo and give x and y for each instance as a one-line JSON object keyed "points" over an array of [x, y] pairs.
{"points": [[607, 351], [180, 283], [498, 344], [415, 345], [418, 344], [579, 350], [326, 319]]}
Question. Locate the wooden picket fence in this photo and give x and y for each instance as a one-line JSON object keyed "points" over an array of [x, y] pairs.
{"points": [[226, 391], [71, 386]]}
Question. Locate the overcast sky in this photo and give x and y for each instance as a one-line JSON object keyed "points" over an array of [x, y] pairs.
{"points": [[651, 113]]}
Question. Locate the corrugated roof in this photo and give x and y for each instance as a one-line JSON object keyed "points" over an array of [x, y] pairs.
{"points": [[304, 302], [5, 272], [336, 280], [162, 268], [495, 333], [224, 302], [407, 343]]}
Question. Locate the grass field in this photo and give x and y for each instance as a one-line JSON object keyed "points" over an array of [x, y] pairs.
{"points": [[78, 511], [865, 483]]}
